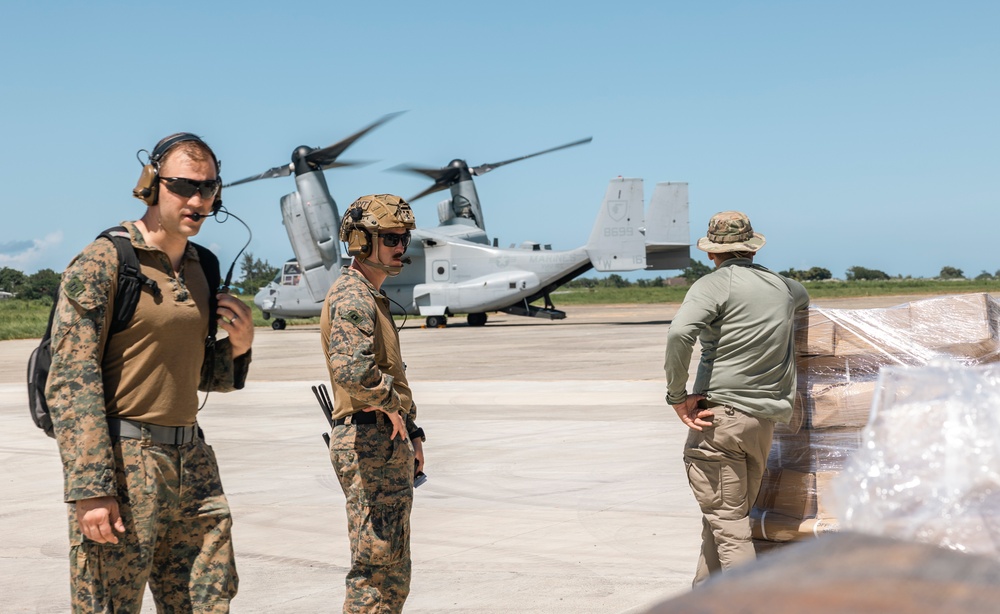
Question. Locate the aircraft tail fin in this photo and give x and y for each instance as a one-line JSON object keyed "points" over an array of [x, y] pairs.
{"points": [[668, 232], [616, 242]]}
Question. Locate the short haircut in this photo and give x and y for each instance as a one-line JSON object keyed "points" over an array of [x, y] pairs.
{"points": [[196, 150]]}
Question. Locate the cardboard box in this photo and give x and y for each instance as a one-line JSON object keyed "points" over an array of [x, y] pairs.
{"points": [[843, 404], [962, 326], [800, 415], [777, 528], [872, 331], [788, 492], [814, 450], [847, 332], [846, 368], [813, 333], [825, 498], [796, 494]]}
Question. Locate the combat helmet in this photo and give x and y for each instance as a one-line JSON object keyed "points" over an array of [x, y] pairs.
{"points": [[366, 217]]}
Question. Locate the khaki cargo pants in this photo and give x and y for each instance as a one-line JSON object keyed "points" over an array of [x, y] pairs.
{"points": [[725, 465], [177, 535]]}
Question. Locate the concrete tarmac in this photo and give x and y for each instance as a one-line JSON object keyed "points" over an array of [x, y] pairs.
{"points": [[555, 475]]}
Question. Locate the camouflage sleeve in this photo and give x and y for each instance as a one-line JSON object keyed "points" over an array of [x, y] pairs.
{"points": [[411, 417], [75, 389], [351, 354], [411, 425], [221, 372]]}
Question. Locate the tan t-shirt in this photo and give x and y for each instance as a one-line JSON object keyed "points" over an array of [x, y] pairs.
{"points": [[152, 368]]}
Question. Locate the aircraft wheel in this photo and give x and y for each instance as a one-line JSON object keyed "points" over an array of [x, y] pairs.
{"points": [[435, 321], [278, 324], [477, 319]]}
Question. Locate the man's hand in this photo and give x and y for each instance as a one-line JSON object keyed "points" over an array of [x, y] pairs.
{"points": [[418, 453], [97, 516], [236, 319], [693, 417], [398, 424]]}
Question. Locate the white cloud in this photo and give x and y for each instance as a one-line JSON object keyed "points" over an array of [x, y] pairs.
{"points": [[36, 251]]}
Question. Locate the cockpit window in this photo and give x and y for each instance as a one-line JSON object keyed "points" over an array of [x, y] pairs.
{"points": [[291, 274]]}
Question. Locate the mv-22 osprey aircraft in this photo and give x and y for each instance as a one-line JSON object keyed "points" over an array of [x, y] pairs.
{"points": [[454, 268]]}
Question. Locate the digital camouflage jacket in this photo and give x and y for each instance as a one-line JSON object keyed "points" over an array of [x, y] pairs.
{"points": [[362, 349]]}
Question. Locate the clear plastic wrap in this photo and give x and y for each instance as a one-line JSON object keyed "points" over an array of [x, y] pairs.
{"points": [[840, 354], [928, 469]]}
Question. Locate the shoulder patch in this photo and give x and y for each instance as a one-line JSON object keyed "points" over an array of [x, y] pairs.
{"points": [[353, 317], [74, 287]]}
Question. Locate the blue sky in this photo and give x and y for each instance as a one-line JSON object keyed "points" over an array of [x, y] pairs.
{"points": [[852, 133]]}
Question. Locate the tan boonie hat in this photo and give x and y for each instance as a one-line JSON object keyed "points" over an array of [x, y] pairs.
{"points": [[730, 231]]}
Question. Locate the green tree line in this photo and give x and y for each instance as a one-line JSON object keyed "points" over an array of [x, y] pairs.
{"points": [[698, 269], [44, 284], [257, 273]]}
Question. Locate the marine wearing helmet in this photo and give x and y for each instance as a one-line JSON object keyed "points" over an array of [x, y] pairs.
{"points": [[373, 216]]}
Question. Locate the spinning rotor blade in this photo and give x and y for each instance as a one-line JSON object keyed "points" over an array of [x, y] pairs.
{"points": [[317, 158], [458, 170], [443, 177], [482, 169], [326, 158], [277, 171]]}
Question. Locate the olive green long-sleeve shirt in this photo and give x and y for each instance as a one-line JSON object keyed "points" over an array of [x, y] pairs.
{"points": [[743, 315]]}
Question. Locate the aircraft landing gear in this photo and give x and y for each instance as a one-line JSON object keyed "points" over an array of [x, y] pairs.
{"points": [[477, 319], [436, 321], [278, 324]]}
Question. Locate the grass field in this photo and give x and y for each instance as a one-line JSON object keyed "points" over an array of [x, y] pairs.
{"points": [[817, 289], [21, 319]]}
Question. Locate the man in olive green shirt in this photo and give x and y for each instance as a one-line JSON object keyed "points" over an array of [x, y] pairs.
{"points": [[742, 314]]}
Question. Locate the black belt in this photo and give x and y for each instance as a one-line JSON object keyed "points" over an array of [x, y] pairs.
{"points": [[361, 417], [165, 435]]}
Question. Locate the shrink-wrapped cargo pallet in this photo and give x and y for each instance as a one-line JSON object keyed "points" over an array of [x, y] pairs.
{"points": [[840, 354], [928, 469]]}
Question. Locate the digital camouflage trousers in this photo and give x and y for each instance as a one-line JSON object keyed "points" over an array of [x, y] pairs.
{"points": [[376, 474], [177, 536]]}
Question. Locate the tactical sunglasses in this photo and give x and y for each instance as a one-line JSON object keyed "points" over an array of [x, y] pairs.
{"points": [[392, 240], [186, 188]]}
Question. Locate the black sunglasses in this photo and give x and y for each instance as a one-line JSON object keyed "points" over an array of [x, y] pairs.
{"points": [[186, 188], [392, 240]]}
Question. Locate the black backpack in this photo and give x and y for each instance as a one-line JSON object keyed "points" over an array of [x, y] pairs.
{"points": [[131, 282]]}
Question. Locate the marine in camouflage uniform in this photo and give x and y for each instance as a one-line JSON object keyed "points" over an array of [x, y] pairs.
{"points": [[742, 315], [375, 441], [145, 499]]}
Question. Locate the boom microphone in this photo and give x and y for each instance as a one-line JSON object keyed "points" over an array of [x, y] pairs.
{"points": [[198, 216]]}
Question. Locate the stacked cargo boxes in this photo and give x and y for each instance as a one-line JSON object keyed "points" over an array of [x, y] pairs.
{"points": [[839, 353]]}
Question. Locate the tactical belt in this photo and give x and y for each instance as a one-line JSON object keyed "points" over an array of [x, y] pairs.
{"points": [[164, 435], [361, 417], [711, 404]]}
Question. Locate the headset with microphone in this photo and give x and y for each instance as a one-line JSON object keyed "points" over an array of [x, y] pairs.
{"points": [[364, 220], [147, 189], [359, 239]]}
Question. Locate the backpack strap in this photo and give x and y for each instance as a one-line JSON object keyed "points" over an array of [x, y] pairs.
{"points": [[131, 281], [210, 266]]}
